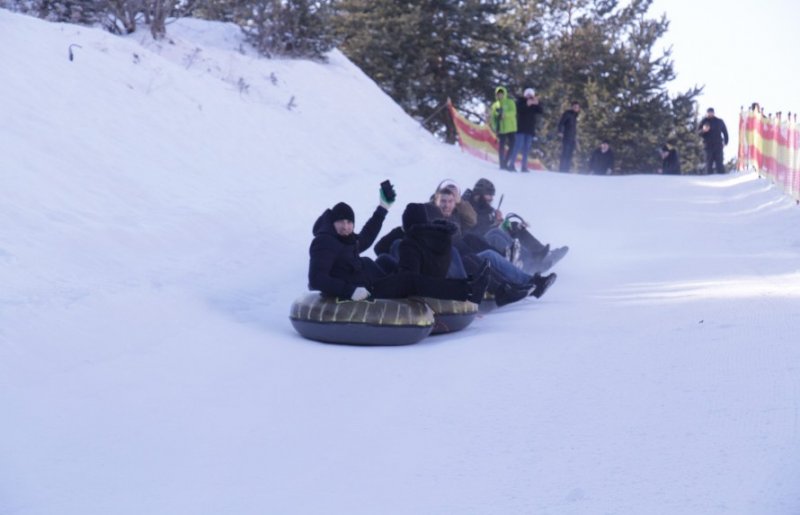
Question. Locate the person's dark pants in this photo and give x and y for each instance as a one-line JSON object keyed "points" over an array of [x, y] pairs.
{"points": [[375, 270], [567, 149], [387, 282], [505, 147], [714, 159], [401, 285]]}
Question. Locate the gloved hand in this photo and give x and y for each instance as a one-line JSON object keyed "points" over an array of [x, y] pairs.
{"points": [[387, 194], [360, 293]]}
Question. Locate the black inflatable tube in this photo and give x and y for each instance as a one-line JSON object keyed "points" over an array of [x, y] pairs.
{"points": [[361, 334], [450, 315], [368, 322]]}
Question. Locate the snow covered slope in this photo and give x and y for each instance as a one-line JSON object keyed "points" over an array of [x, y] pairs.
{"points": [[156, 209]]}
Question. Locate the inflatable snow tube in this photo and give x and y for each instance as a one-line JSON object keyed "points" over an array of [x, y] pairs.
{"points": [[364, 322], [450, 315]]}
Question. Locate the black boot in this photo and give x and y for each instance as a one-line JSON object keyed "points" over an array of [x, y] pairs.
{"points": [[542, 284], [479, 283], [507, 294]]}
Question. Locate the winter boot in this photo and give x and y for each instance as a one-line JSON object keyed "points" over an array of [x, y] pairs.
{"points": [[543, 283], [479, 283], [507, 294]]}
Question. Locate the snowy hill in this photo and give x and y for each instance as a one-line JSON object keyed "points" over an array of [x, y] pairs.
{"points": [[156, 210]]}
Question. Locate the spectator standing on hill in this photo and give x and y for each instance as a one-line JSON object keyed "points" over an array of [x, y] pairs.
{"points": [[503, 117], [568, 132], [528, 113], [715, 137]]}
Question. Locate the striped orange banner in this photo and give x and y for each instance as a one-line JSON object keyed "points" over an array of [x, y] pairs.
{"points": [[771, 146]]}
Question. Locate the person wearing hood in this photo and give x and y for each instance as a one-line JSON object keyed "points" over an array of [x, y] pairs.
{"points": [[423, 252], [503, 117], [336, 267]]}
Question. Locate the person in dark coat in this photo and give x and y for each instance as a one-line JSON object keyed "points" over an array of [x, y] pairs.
{"points": [[715, 137], [670, 162], [481, 197], [427, 244], [601, 162], [335, 266], [423, 248], [568, 131], [528, 113]]}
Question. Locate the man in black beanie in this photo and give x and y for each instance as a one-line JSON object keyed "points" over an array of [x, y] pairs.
{"points": [[335, 267], [342, 211]]}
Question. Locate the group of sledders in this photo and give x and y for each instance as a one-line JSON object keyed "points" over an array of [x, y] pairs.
{"points": [[455, 247]]}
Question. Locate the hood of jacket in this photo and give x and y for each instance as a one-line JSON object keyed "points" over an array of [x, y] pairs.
{"points": [[324, 225], [498, 89], [437, 236]]}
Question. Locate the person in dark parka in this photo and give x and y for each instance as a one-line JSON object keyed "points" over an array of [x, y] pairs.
{"points": [[423, 249], [335, 267], [715, 137], [670, 163], [427, 244], [568, 131]]}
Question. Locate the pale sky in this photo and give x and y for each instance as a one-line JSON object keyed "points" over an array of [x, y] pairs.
{"points": [[742, 51]]}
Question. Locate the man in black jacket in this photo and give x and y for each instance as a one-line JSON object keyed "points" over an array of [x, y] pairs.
{"points": [[670, 163], [568, 131], [335, 266], [715, 137], [528, 113]]}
